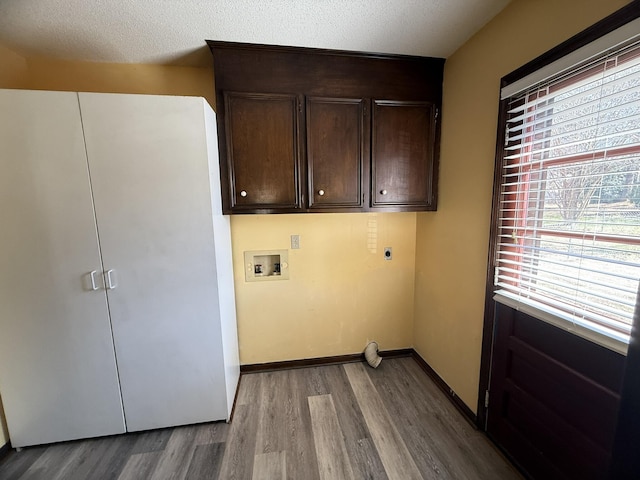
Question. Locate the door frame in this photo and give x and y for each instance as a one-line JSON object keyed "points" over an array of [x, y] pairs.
{"points": [[617, 19]]}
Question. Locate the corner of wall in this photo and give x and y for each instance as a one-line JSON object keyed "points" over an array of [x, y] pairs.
{"points": [[13, 73]]}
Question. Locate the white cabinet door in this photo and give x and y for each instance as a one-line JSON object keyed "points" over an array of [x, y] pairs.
{"points": [[58, 376], [148, 163]]}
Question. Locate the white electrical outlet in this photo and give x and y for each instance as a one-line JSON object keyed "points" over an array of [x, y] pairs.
{"points": [[295, 242], [387, 253]]}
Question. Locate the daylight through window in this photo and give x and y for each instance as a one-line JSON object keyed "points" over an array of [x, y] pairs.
{"points": [[569, 213]]}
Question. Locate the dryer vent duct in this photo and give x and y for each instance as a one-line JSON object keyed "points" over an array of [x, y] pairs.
{"points": [[371, 354]]}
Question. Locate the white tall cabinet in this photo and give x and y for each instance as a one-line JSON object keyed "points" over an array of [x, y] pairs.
{"points": [[117, 305]]}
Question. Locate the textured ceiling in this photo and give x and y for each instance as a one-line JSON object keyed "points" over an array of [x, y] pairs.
{"points": [[173, 31]]}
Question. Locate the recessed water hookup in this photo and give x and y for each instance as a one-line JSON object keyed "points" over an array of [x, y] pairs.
{"points": [[266, 265]]}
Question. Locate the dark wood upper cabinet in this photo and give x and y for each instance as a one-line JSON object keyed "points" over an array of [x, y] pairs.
{"points": [[336, 146], [263, 150], [309, 130], [402, 154]]}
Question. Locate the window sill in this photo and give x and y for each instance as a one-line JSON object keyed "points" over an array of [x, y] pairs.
{"points": [[602, 336]]}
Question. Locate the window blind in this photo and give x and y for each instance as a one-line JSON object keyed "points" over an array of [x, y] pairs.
{"points": [[569, 205]]}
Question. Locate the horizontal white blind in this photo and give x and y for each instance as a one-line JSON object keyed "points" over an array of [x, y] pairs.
{"points": [[569, 212]]}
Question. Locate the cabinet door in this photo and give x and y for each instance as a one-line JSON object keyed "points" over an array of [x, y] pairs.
{"points": [[57, 366], [335, 151], [403, 154], [263, 152], [150, 177]]}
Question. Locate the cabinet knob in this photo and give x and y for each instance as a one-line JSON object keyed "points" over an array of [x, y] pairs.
{"points": [[321, 192], [243, 193], [383, 192]]}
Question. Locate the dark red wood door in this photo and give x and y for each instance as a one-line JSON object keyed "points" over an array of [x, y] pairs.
{"points": [[553, 398]]}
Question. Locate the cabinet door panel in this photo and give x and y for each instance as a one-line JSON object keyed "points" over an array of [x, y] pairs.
{"points": [[148, 160], [403, 153], [57, 365], [263, 150], [335, 149]]}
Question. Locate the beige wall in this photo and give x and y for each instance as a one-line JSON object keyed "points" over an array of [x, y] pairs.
{"points": [[13, 69], [47, 74], [452, 244], [341, 292]]}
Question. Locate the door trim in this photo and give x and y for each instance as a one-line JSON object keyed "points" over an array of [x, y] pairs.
{"points": [[617, 19]]}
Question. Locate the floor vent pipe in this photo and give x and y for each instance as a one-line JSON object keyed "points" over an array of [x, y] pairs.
{"points": [[371, 354]]}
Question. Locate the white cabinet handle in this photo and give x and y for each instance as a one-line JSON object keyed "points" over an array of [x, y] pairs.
{"points": [[243, 193], [109, 280], [383, 192], [321, 192], [92, 275]]}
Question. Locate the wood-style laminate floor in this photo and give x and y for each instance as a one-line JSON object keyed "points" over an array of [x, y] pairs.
{"points": [[344, 421]]}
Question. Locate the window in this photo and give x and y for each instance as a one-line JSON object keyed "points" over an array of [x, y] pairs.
{"points": [[568, 232]]}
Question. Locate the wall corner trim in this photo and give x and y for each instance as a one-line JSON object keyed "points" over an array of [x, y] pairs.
{"points": [[457, 402]]}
